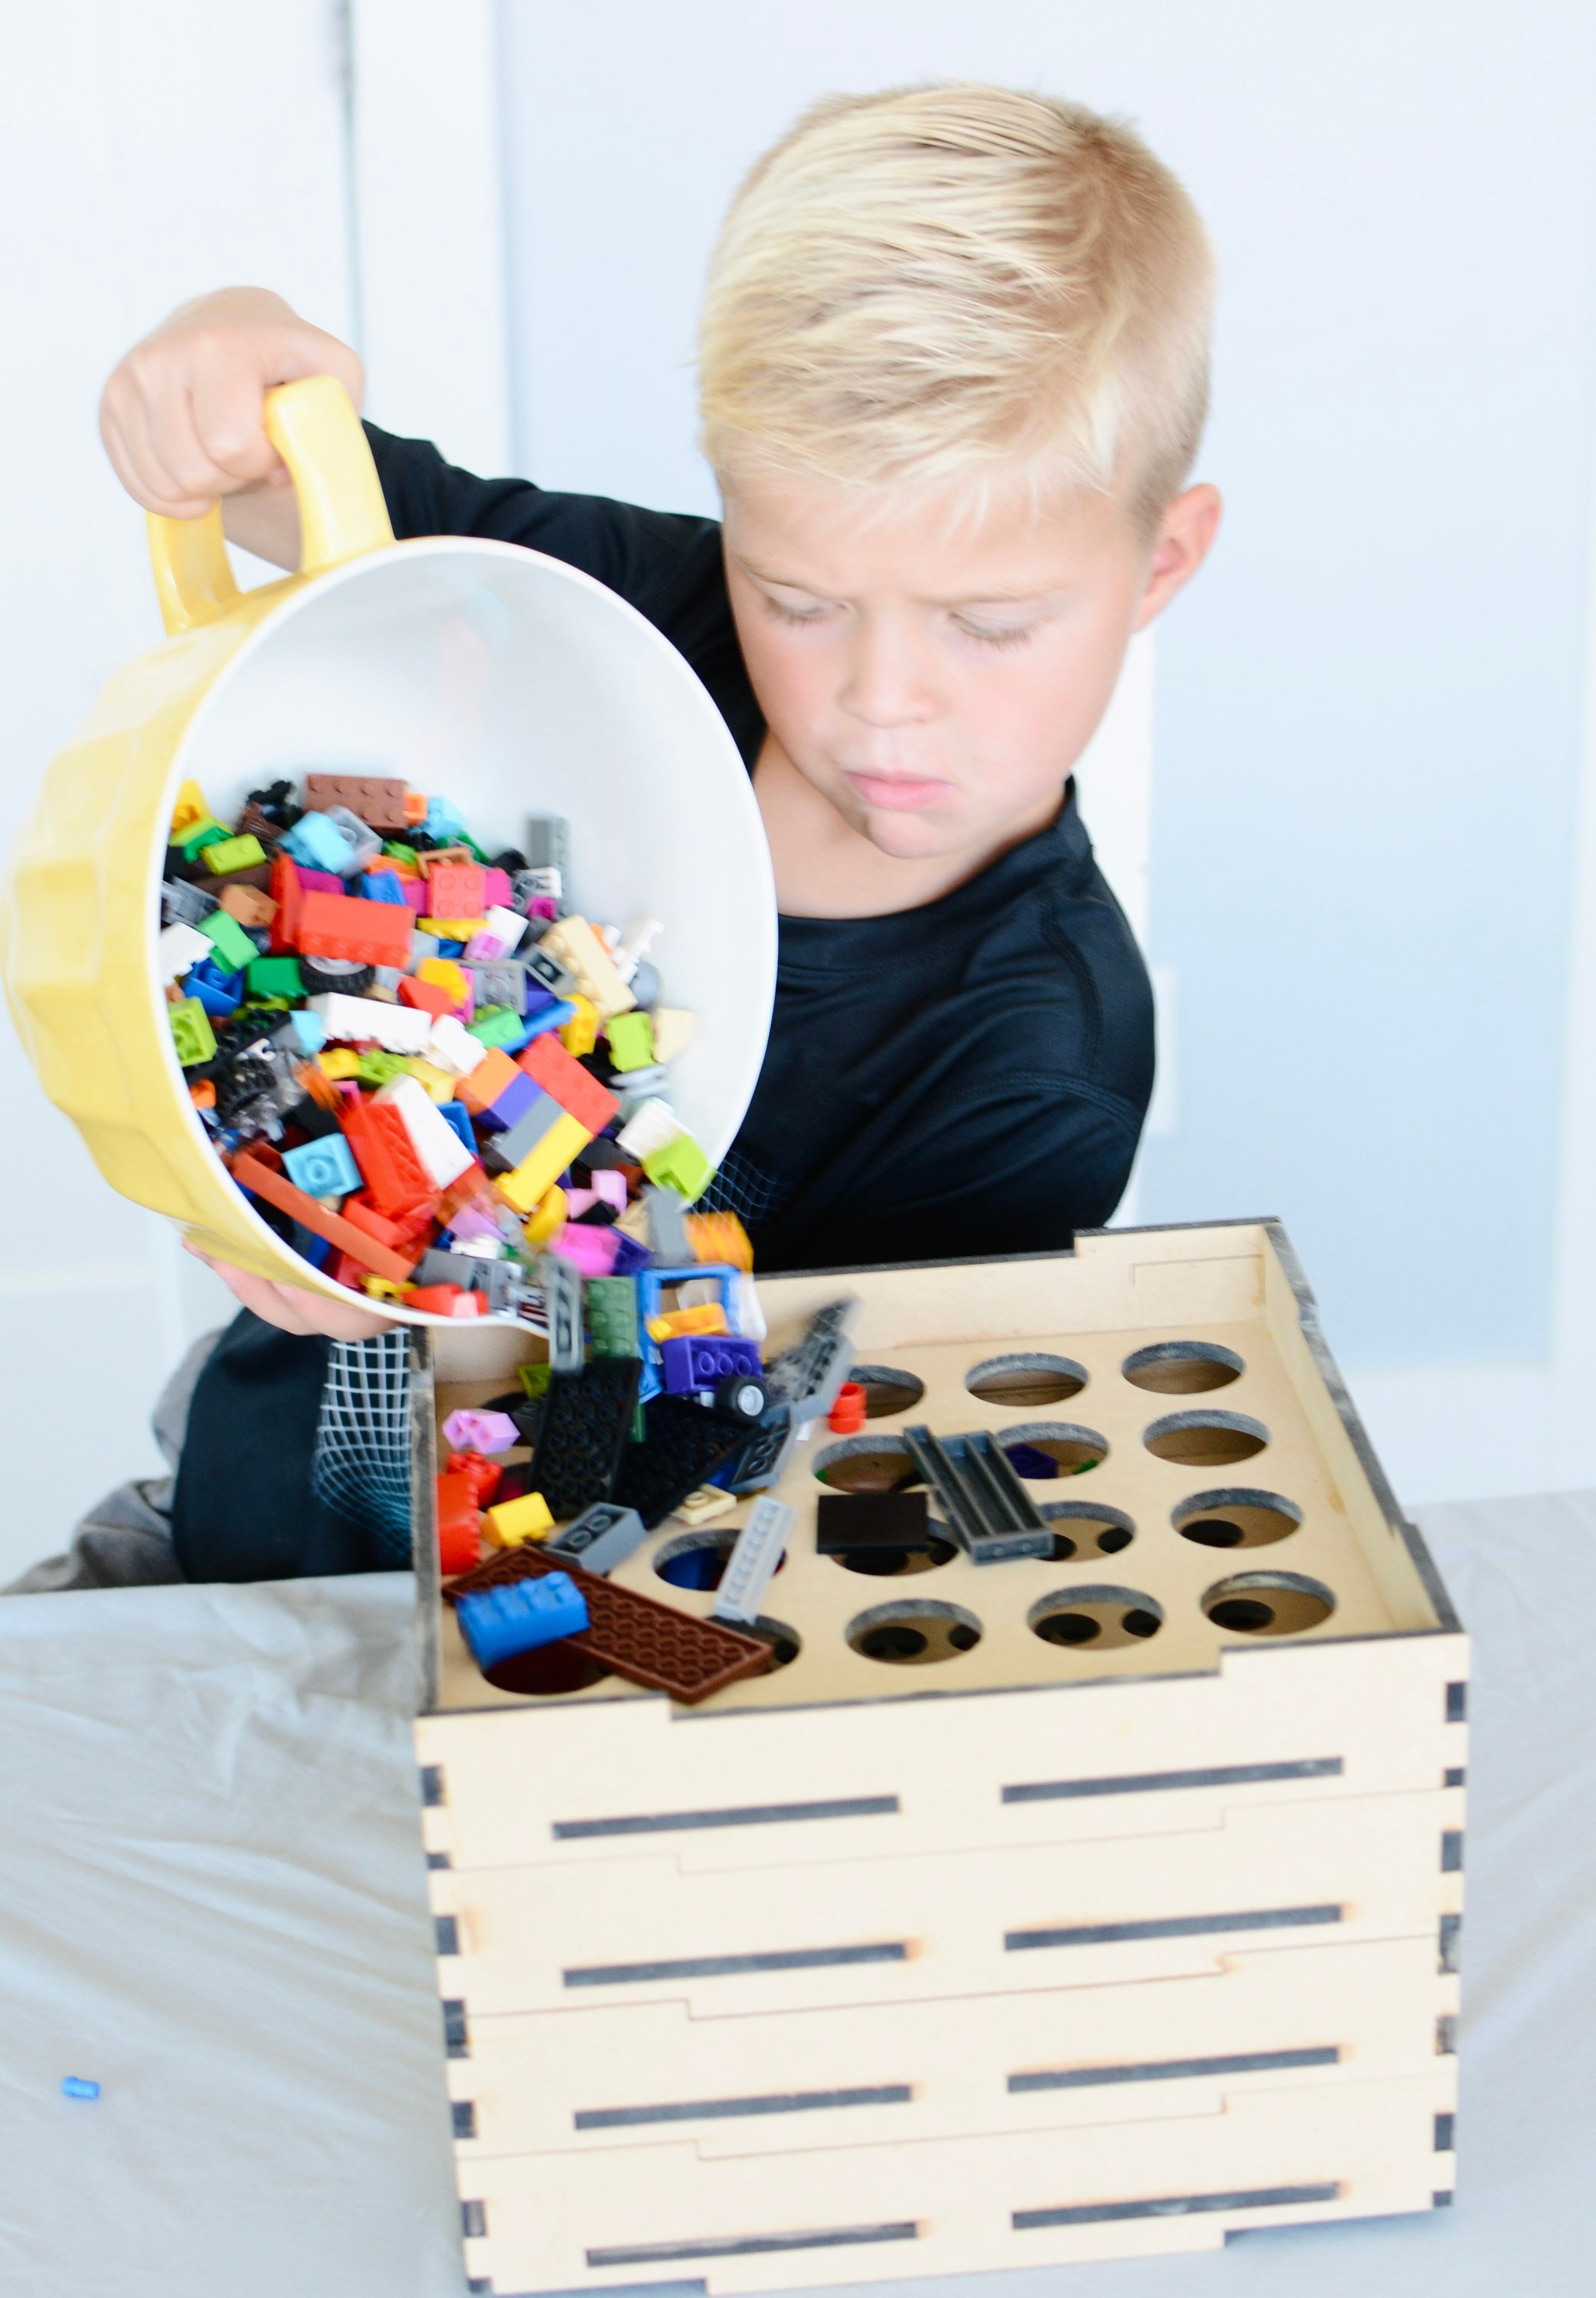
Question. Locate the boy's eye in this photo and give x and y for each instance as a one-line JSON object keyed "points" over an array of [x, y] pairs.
{"points": [[784, 613], [995, 635]]}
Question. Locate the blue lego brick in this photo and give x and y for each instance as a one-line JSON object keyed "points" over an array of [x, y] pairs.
{"points": [[520, 1096], [220, 992], [456, 1115], [698, 1360], [319, 844], [499, 1623], [547, 1018], [382, 886], [326, 1167]]}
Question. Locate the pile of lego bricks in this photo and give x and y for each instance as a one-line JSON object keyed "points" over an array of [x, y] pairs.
{"points": [[673, 1412], [429, 1074]]}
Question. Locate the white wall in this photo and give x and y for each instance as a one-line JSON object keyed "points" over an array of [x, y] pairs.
{"points": [[1369, 708], [145, 154]]}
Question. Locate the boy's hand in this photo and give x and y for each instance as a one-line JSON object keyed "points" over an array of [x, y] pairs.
{"points": [[292, 1310], [182, 416]]}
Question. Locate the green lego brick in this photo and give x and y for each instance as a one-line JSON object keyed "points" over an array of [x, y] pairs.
{"points": [[611, 1303], [680, 1165], [378, 1069], [496, 1025], [233, 946], [233, 854], [275, 976], [535, 1379], [204, 833], [398, 851], [192, 1033], [631, 1041]]}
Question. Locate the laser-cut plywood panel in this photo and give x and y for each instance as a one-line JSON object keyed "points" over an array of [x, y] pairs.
{"points": [[792, 1988]]}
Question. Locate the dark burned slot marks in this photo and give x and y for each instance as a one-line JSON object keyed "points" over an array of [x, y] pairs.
{"points": [[1215, 1775], [1173, 2206], [751, 2245], [1450, 1941], [457, 2037], [756, 1814], [1250, 1919], [1237, 2062], [722, 2110], [734, 1966]]}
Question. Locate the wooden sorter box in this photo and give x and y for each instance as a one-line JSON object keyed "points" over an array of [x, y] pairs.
{"points": [[1038, 1910]]}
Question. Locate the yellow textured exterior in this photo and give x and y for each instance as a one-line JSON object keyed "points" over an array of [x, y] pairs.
{"points": [[78, 916]]}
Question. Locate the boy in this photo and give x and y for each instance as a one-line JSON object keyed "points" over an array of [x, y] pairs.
{"points": [[953, 362]]}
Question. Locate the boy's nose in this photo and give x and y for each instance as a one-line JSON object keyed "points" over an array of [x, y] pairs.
{"points": [[887, 684]]}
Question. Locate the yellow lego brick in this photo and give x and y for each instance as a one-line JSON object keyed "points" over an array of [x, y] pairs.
{"points": [[385, 1288], [578, 948], [710, 1318], [436, 1083], [538, 1172], [189, 813], [450, 929], [513, 1523], [447, 974], [550, 1216], [581, 1034], [338, 1062]]}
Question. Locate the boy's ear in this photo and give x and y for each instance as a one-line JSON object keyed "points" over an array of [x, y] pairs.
{"points": [[1185, 536]]}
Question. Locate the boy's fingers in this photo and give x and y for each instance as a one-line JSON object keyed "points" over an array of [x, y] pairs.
{"points": [[227, 407], [189, 472], [292, 1310]]}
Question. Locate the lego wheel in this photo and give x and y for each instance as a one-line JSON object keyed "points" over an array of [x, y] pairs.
{"points": [[742, 1394]]}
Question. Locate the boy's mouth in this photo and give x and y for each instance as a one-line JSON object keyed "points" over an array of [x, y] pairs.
{"points": [[898, 793]]}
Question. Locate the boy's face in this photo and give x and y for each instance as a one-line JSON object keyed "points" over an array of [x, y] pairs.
{"points": [[937, 679]]}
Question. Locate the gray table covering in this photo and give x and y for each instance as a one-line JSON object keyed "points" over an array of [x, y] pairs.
{"points": [[212, 1902]]}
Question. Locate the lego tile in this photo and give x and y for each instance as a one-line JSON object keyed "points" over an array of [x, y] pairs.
{"points": [[587, 1423]]}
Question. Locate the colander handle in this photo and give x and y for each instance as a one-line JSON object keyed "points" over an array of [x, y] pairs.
{"points": [[314, 427]]}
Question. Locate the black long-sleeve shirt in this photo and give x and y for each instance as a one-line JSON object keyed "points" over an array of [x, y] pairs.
{"points": [[965, 1079]]}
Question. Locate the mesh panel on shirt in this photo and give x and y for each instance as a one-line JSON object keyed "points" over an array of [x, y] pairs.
{"points": [[739, 1188], [362, 1466]]}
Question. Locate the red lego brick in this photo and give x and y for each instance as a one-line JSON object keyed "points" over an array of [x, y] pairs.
{"points": [[471, 1184], [563, 1079], [632, 1635], [456, 890], [259, 1169], [447, 1301], [377, 799], [484, 1475], [396, 1180], [460, 1522], [288, 894], [343, 925], [426, 997]]}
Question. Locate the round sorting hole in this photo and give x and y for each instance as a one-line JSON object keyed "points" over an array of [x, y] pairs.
{"points": [[1183, 1368], [785, 1643], [1082, 1531], [1039, 1450], [699, 1559], [1206, 1439], [1235, 1516], [897, 1564], [1095, 1619], [552, 1668], [914, 1634], [1026, 1377], [887, 1390], [865, 1464], [1268, 1604]]}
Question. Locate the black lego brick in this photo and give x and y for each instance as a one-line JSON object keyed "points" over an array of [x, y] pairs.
{"points": [[683, 1444], [845, 1522], [587, 1419]]}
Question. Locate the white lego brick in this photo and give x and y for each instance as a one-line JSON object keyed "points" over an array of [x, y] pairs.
{"points": [[181, 946], [351, 1020], [432, 1137], [453, 1047]]}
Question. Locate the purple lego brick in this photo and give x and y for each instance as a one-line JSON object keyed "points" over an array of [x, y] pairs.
{"points": [[481, 1431], [698, 1360]]}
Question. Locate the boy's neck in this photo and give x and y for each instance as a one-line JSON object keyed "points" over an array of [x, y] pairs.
{"points": [[826, 868]]}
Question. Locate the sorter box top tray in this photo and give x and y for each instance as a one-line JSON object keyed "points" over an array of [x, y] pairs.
{"points": [[1216, 1491]]}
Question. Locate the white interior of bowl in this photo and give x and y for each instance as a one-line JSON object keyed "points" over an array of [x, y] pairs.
{"points": [[514, 685]]}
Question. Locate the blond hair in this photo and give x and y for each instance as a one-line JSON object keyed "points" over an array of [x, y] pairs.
{"points": [[929, 286]]}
